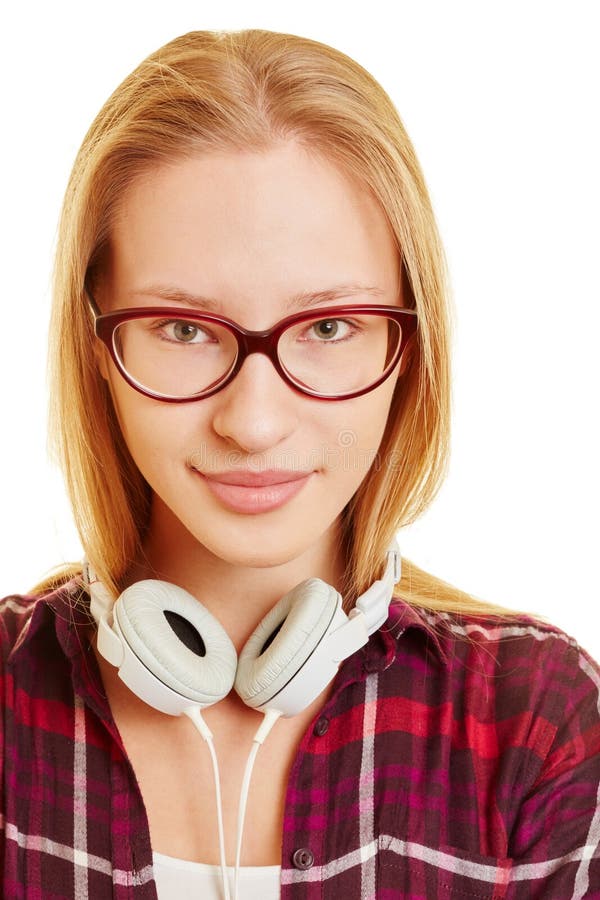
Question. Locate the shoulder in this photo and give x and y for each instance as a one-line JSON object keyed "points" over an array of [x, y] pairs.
{"points": [[500, 644], [519, 681], [506, 646], [15, 616], [22, 616]]}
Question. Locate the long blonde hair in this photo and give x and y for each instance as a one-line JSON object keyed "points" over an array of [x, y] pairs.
{"points": [[244, 91]]}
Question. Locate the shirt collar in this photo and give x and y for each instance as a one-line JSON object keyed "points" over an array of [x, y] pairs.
{"points": [[382, 648], [66, 612], [402, 618], [69, 614]]}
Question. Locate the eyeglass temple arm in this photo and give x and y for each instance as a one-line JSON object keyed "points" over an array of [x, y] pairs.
{"points": [[95, 308]]}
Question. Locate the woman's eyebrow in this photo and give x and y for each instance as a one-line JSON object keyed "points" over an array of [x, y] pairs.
{"points": [[297, 301]]}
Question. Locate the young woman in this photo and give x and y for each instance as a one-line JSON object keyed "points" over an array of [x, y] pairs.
{"points": [[249, 347]]}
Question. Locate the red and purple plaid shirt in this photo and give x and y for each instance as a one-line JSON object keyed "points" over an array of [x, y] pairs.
{"points": [[463, 763]]}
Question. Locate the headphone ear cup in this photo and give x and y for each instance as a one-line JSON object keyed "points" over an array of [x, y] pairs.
{"points": [[203, 675], [284, 640]]}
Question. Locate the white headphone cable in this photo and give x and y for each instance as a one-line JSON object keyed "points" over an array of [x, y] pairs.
{"points": [[193, 713], [270, 717]]}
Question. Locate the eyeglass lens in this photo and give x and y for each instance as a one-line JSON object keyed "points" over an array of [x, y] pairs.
{"points": [[180, 358]]}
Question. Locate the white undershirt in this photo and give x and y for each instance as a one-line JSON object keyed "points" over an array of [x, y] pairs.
{"points": [[177, 878]]}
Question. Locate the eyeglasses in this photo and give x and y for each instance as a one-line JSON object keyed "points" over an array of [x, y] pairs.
{"points": [[178, 355]]}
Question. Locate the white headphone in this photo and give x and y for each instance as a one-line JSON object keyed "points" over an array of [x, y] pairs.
{"points": [[177, 657], [174, 654]]}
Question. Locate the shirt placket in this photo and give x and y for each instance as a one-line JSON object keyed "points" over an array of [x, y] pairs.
{"points": [[131, 850], [308, 857]]}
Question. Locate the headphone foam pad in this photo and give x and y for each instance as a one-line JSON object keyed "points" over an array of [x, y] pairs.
{"points": [[139, 612], [304, 615]]}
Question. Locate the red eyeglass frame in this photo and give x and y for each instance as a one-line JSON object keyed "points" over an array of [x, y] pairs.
{"points": [[249, 341]]}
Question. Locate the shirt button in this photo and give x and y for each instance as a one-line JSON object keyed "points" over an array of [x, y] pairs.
{"points": [[303, 858], [321, 726]]}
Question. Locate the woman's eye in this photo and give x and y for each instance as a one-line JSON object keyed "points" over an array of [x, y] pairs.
{"points": [[330, 329], [180, 331]]}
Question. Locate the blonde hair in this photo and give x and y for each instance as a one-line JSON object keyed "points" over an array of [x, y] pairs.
{"points": [[247, 90]]}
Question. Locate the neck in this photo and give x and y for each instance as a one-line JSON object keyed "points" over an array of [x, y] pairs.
{"points": [[238, 593]]}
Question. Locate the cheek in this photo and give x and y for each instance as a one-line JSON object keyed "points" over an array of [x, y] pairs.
{"points": [[357, 433], [126, 405], [154, 432]]}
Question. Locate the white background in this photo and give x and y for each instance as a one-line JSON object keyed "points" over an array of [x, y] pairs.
{"points": [[501, 102]]}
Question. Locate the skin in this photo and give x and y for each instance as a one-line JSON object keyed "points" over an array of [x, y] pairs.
{"points": [[250, 230]]}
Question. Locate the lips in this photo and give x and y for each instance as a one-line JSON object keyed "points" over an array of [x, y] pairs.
{"points": [[256, 479], [253, 492]]}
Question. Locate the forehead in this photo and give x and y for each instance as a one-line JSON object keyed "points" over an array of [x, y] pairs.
{"points": [[251, 228]]}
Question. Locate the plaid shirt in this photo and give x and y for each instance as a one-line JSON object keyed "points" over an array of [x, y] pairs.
{"points": [[460, 764]]}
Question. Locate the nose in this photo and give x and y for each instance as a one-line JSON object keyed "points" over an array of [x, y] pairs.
{"points": [[257, 410]]}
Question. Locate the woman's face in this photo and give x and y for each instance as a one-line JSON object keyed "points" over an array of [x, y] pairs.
{"points": [[250, 231]]}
